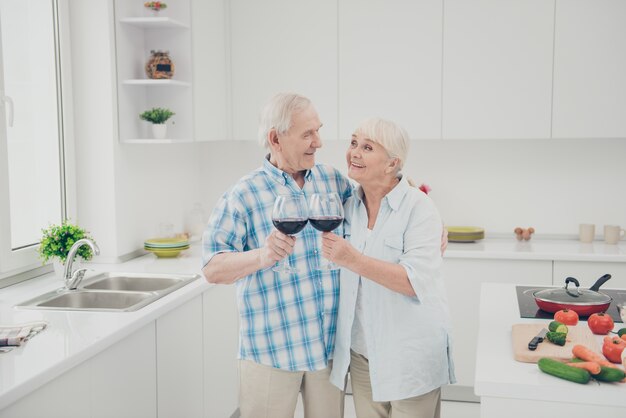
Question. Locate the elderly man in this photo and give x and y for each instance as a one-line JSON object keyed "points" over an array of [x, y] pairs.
{"points": [[287, 321]]}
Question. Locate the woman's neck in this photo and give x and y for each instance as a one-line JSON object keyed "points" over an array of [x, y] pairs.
{"points": [[373, 194]]}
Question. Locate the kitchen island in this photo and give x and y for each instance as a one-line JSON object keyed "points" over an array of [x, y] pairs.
{"points": [[511, 389]]}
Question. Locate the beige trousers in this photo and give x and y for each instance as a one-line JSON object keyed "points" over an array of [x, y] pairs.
{"points": [[424, 406], [267, 392]]}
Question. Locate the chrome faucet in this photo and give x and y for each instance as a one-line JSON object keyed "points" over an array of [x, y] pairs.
{"points": [[73, 278]]}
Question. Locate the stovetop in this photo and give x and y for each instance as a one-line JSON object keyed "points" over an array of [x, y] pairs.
{"points": [[528, 307]]}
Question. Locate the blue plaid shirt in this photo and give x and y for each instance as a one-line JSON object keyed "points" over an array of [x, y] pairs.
{"points": [[286, 321]]}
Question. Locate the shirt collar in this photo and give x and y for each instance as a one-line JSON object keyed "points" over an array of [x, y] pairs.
{"points": [[394, 197], [279, 175]]}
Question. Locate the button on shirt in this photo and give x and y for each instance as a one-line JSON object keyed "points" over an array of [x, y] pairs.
{"points": [[286, 321], [407, 338]]}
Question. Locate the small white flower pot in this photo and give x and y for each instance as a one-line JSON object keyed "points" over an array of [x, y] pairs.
{"points": [[159, 130]]}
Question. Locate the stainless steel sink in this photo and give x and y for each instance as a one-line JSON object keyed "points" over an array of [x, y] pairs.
{"points": [[112, 292], [138, 282]]}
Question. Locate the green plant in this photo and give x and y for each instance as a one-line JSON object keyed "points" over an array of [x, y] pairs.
{"points": [[58, 239], [157, 115]]}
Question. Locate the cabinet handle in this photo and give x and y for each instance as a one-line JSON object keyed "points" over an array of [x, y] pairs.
{"points": [[9, 102]]}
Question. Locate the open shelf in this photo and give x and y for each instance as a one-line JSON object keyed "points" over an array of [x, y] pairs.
{"points": [[151, 82], [154, 22], [156, 141]]}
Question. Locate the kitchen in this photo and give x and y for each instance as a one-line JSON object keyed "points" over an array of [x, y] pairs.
{"points": [[516, 116]]}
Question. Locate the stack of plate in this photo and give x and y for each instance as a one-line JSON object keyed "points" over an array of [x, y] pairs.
{"points": [[465, 233], [166, 247]]}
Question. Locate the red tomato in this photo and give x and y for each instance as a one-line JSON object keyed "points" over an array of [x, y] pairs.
{"points": [[566, 316], [612, 349], [600, 323]]}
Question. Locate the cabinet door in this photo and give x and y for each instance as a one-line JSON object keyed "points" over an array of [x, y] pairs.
{"points": [[588, 272], [221, 340], [590, 69], [179, 360], [497, 68], [463, 278], [390, 64], [118, 382], [281, 45]]}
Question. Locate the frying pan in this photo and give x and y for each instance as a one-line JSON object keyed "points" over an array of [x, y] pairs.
{"points": [[584, 302]]}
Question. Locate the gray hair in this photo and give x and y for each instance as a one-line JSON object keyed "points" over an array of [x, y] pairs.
{"points": [[278, 112], [392, 137]]}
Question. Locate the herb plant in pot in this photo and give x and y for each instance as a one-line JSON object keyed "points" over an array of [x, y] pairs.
{"points": [[57, 241], [157, 116]]}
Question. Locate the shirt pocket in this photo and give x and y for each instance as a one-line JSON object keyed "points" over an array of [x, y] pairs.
{"points": [[393, 247]]}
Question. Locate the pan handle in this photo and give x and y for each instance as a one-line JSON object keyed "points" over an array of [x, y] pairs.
{"points": [[600, 282], [569, 292]]}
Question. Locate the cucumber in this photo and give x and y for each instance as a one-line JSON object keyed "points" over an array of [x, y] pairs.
{"points": [[558, 369], [557, 338], [609, 374], [556, 326]]}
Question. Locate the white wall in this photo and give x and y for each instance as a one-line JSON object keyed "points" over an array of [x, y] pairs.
{"points": [[552, 185]]}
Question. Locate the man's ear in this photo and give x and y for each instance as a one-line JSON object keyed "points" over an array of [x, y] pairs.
{"points": [[272, 139]]}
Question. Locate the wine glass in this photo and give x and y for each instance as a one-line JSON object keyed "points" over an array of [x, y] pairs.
{"points": [[289, 216], [326, 214]]}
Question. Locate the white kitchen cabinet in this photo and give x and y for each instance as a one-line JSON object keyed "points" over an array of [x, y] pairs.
{"points": [[211, 79], [278, 46], [138, 30], [589, 69], [390, 65], [118, 382], [179, 355], [588, 272], [497, 69], [221, 341], [463, 279]]}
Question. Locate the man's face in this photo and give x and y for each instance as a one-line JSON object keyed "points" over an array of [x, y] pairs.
{"points": [[294, 150]]}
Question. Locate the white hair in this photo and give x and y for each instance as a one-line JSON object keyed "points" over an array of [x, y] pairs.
{"points": [[391, 136], [278, 112]]}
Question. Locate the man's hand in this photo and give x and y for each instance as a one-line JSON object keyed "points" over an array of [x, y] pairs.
{"points": [[444, 240], [277, 246]]}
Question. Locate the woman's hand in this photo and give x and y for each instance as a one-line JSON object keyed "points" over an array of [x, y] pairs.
{"points": [[337, 249], [277, 246]]}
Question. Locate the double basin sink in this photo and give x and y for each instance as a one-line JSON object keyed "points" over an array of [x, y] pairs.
{"points": [[119, 292]]}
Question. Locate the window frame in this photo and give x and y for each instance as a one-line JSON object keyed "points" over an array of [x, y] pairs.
{"points": [[24, 263]]}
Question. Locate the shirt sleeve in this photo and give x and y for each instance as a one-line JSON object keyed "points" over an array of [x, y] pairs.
{"points": [[226, 229], [422, 248]]}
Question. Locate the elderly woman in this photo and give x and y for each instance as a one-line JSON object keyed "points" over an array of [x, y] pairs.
{"points": [[393, 328]]}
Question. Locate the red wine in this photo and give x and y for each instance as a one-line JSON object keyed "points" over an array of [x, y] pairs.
{"points": [[290, 226], [326, 223]]}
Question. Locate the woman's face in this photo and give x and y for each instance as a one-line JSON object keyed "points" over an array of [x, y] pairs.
{"points": [[368, 161]]}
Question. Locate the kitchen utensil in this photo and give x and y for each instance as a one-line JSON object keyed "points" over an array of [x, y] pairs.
{"points": [[584, 302], [532, 345], [522, 333]]}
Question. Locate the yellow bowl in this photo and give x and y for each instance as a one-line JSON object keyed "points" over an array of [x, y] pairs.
{"points": [[166, 252]]}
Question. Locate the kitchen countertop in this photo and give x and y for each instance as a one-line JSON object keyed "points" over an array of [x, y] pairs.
{"points": [[498, 375], [537, 249], [75, 336]]}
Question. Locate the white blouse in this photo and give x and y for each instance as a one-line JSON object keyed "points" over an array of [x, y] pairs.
{"points": [[407, 339]]}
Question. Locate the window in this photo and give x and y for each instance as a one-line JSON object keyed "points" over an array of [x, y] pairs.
{"points": [[32, 146]]}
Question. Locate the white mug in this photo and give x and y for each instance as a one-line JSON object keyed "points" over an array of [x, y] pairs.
{"points": [[613, 233], [587, 232]]}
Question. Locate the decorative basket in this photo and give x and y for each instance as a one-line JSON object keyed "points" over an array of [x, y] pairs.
{"points": [[160, 65]]}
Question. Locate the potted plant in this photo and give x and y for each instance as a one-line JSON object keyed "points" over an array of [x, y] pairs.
{"points": [[57, 241], [157, 116]]}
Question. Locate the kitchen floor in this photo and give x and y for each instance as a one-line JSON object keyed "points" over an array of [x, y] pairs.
{"points": [[449, 409]]}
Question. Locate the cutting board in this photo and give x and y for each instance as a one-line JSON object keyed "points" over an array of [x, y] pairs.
{"points": [[523, 333]]}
